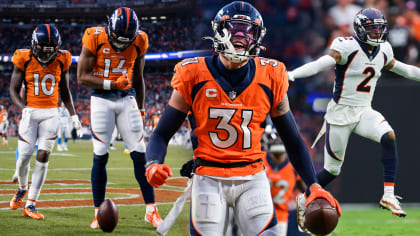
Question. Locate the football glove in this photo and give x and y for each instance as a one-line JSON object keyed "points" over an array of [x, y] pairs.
{"points": [[318, 192], [290, 76], [77, 125], [157, 174], [123, 82]]}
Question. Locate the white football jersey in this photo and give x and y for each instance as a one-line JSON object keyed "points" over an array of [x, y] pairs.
{"points": [[358, 71]]}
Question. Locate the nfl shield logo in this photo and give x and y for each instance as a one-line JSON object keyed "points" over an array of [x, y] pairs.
{"points": [[232, 95]]}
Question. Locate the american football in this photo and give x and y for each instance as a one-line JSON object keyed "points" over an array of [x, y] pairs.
{"points": [[108, 216], [320, 217]]}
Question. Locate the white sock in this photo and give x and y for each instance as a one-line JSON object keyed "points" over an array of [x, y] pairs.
{"points": [[29, 203], [96, 211], [150, 207], [38, 178], [389, 190]]}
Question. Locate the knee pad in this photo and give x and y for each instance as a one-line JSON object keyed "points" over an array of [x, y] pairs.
{"points": [[46, 145], [100, 124], [134, 119]]}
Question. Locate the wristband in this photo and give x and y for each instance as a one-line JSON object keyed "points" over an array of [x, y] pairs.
{"points": [[107, 84], [149, 163]]}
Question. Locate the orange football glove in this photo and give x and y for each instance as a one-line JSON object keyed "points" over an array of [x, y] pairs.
{"points": [[123, 82], [157, 174], [318, 192]]}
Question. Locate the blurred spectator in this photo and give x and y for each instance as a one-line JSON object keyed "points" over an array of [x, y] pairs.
{"points": [[398, 35], [343, 15]]}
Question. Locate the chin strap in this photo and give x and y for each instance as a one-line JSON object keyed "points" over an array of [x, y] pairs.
{"points": [[229, 50]]}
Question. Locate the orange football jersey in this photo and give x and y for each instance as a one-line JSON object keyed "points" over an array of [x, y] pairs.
{"points": [[3, 115], [229, 127], [282, 182], [41, 82], [109, 64]]}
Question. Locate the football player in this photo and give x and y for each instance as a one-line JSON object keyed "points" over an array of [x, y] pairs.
{"points": [[358, 63], [111, 64], [4, 123], [64, 127], [230, 95], [44, 69], [283, 180]]}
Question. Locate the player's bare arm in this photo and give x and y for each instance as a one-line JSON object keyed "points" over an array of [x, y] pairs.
{"points": [[65, 93], [178, 102], [85, 67], [15, 87], [138, 81], [400, 68]]}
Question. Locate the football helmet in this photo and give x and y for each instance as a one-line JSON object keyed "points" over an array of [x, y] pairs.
{"points": [[238, 31], [46, 42], [122, 29], [370, 26]]}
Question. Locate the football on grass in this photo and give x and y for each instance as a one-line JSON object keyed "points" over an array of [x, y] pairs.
{"points": [[320, 217], [107, 216]]}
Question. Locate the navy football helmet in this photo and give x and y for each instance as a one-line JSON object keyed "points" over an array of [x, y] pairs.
{"points": [[238, 31], [122, 29], [46, 42], [370, 26]]}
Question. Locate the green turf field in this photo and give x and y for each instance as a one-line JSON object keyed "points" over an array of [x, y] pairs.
{"points": [[75, 165]]}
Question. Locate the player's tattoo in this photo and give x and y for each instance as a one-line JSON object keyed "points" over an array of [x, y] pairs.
{"points": [[283, 106], [336, 55]]}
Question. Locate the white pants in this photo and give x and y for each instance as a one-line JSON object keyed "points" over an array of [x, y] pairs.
{"points": [[42, 124], [371, 125], [122, 112], [250, 199], [3, 127]]}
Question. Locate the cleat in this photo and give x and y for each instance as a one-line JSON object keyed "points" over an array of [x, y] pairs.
{"points": [[126, 151], [112, 148], [17, 200], [300, 202], [391, 203], [153, 218], [30, 211], [94, 224], [4, 143]]}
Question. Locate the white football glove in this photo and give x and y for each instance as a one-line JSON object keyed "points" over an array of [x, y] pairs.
{"points": [[77, 125], [290, 76]]}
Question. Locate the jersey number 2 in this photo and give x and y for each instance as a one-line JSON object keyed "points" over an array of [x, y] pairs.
{"points": [[226, 116], [363, 87]]}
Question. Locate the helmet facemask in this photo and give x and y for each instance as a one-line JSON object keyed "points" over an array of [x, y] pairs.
{"points": [[379, 32], [238, 39], [122, 28]]}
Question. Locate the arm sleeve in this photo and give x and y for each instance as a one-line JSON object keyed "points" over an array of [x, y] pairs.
{"points": [[407, 71], [295, 147], [313, 68], [168, 124]]}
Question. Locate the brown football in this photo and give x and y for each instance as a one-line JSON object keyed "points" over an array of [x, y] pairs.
{"points": [[107, 216], [320, 217]]}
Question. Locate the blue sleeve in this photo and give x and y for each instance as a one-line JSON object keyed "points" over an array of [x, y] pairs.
{"points": [[295, 147], [168, 124]]}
